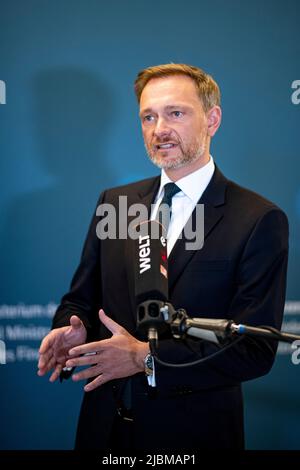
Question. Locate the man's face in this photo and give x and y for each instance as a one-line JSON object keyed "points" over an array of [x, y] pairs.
{"points": [[174, 124]]}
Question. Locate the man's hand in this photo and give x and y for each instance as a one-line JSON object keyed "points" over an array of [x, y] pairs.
{"points": [[55, 346], [121, 355]]}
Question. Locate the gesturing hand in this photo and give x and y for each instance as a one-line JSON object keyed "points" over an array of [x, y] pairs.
{"points": [[121, 355], [55, 346]]}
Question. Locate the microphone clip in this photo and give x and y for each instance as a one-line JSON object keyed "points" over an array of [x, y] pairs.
{"points": [[154, 314]]}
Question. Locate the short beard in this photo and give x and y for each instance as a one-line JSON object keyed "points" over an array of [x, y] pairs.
{"points": [[189, 156]]}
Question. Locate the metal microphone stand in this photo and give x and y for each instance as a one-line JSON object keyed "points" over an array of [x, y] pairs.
{"points": [[155, 317]]}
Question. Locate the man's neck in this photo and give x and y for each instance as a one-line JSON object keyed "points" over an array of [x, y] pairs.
{"points": [[176, 174]]}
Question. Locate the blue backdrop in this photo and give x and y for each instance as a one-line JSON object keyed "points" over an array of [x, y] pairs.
{"points": [[70, 129]]}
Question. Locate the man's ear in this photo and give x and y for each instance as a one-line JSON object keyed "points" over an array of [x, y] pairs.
{"points": [[214, 116]]}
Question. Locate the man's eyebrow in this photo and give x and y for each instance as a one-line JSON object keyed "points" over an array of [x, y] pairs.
{"points": [[176, 106], [169, 107], [146, 110]]}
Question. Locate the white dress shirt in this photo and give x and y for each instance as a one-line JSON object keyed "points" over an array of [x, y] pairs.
{"points": [[191, 187]]}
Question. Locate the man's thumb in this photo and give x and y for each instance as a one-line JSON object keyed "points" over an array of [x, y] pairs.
{"points": [[75, 322], [110, 324]]}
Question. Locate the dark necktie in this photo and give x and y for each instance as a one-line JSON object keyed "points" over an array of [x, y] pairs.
{"points": [[165, 208]]}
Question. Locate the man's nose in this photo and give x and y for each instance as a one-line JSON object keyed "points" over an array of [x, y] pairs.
{"points": [[161, 128]]}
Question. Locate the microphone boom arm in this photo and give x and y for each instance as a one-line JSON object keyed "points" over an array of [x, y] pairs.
{"points": [[155, 315]]}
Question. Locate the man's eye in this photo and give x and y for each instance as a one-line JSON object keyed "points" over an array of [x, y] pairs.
{"points": [[177, 113], [148, 118]]}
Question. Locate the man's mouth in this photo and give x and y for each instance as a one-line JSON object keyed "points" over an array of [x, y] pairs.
{"points": [[165, 146]]}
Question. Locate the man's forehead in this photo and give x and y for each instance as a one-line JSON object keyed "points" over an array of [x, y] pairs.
{"points": [[176, 82], [170, 90]]}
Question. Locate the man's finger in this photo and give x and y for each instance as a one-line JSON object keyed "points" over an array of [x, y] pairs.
{"points": [[87, 373], [100, 380], [86, 348], [110, 324], [83, 360], [45, 357], [47, 367], [43, 363], [46, 343], [56, 373]]}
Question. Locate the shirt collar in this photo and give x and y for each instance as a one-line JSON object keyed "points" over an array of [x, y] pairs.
{"points": [[192, 185]]}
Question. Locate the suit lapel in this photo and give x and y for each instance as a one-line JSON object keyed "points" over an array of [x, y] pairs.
{"points": [[213, 199]]}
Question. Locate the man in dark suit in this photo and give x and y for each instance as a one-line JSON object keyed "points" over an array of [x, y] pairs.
{"points": [[239, 274]]}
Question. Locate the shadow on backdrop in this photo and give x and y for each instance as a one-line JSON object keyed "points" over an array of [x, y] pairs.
{"points": [[44, 231], [42, 239]]}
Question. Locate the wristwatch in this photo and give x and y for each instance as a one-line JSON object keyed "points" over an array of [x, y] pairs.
{"points": [[148, 362]]}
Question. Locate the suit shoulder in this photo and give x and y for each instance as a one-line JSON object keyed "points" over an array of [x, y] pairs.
{"points": [[248, 199], [259, 216]]}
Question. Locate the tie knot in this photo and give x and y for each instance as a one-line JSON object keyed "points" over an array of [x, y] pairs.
{"points": [[170, 190]]}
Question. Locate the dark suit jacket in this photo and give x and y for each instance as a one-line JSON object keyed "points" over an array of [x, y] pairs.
{"points": [[239, 274]]}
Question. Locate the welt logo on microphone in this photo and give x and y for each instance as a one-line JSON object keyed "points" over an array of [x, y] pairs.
{"points": [[144, 253], [2, 92]]}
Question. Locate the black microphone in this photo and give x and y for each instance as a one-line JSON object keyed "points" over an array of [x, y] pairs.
{"points": [[151, 278]]}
